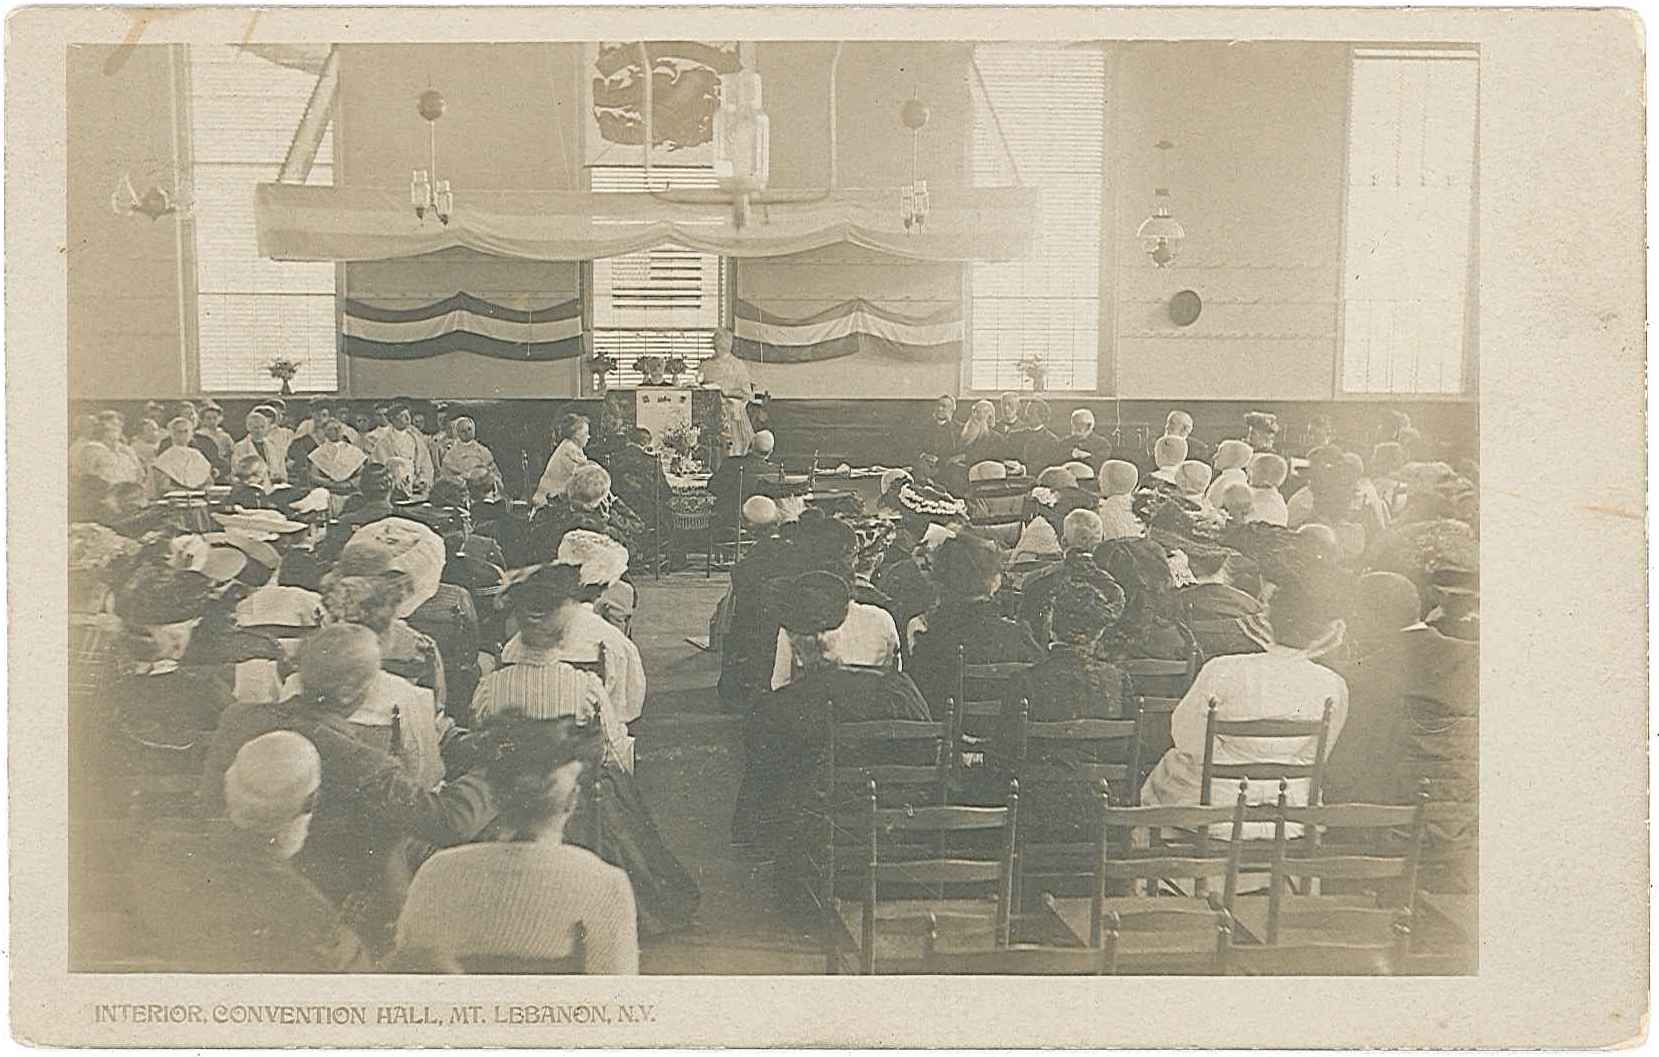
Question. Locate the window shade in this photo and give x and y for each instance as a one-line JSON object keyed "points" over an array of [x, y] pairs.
{"points": [[1408, 227], [1049, 101], [665, 301], [250, 310]]}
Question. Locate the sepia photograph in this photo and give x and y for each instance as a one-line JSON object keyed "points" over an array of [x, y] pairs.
{"points": [[729, 500]]}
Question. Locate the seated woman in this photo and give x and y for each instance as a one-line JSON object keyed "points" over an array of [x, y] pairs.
{"points": [[369, 806], [541, 685], [790, 724], [525, 900], [1148, 628], [1073, 682], [179, 466], [1282, 682], [968, 618]]}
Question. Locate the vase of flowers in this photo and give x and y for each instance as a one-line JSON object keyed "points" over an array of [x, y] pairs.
{"points": [[1035, 371], [600, 364], [681, 446], [651, 367], [283, 370], [674, 366]]}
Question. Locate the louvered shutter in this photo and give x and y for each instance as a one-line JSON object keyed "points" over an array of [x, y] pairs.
{"points": [[664, 301], [1407, 234], [250, 310], [1050, 103]]}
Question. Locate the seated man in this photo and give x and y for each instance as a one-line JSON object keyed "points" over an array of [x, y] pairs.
{"points": [[468, 456], [221, 895], [1084, 443], [372, 503], [638, 479], [742, 476]]}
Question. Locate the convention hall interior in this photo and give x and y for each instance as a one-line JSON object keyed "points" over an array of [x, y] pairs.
{"points": [[774, 507]]}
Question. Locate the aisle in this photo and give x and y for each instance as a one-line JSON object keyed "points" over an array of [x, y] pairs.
{"points": [[690, 759]]}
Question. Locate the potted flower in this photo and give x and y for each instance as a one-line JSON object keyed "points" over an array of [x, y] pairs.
{"points": [[652, 368], [283, 370], [674, 366], [601, 364], [1035, 371]]}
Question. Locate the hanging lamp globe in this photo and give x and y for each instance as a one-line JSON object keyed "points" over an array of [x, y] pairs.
{"points": [[430, 104], [914, 114]]}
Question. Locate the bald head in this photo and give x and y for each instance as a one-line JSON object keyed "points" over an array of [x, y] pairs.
{"points": [[1081, 528], [1169, 452], [1057, 478], [1118, 477], [763, 442], [338, 662], [1082, 422], [760, 512], [1178, 424]]}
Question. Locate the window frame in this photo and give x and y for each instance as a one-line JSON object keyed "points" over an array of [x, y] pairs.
{"points": [[190, 282], [725, 286], [1105, 309], [1470, 362]]}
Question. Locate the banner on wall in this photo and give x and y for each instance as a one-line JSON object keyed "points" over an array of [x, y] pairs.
{"points": [[842, 330], [461, 323], [685, 93]]}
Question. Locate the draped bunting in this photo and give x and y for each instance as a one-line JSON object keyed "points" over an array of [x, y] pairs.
{"points": [[305, 223], [461, 323], [842, 330]]}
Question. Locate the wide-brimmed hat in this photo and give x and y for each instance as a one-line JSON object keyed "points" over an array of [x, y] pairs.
{"points": [[156, 595], [251, 544], [396, 545], [544, 585], [600, 559], [815, 602]]}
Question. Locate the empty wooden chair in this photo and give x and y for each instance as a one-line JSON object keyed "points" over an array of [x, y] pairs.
{"points": [[903, 850], [1369, 957], [1020, 959], [1373, 850]]}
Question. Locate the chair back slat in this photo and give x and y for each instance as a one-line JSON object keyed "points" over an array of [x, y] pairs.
{"points": [[1268, 728], [1192, 818], [888, 730], [1081, 730], [1154, 668], [1354, 816], [1071, 773], [940, 818], [1261, 772], [1020, 961], [1356, 867], [938, 872], [1166, 866], [1155, 918]]}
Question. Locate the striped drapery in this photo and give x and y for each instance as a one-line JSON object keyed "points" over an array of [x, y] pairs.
{"points": [[461, 323], [845, 329]]}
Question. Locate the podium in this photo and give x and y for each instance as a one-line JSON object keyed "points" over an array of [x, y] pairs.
{"points": [[661, 408]]}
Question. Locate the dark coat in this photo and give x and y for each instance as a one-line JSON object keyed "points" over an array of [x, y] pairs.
{"points": [[987, 636], [1214, 613]]}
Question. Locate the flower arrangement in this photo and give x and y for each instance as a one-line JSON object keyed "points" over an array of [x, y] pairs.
{"points": [[682, 443], [602, 362], [674, 366], [651, 367], [1034, 370], [284, 369]]}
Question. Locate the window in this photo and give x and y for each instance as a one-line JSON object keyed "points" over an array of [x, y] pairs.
{"points": [[1049, 101], [1409, 226], [659, 302], [250, 310]]}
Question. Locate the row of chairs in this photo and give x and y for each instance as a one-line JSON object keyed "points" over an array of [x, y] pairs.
{"points": [[931, 926]]}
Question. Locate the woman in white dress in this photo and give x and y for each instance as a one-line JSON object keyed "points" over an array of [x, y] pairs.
{"points": [[727, 373]]}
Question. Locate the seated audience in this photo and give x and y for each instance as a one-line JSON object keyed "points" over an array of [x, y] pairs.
{"points": [[179, 465], [1212, 606], [1193, 478], [372, 503], [742, 476], [941, 437], [967, 618], [525, 900], [1117, 489], [1282, 682], [335, 463], [1179, 424], [1084, 475], [1168, 453], [1055, 495], [1149, 628], [1039, 446], [468, 456], [1237, 500], [638, 479], [1387, 460], [865, 637], [222, 895], [403, 441], [1266, 474], [265, 441], [368, 804], [573, 433], [1231, 458], [587, 503], [1084, 443], [212, 426], [1080, 534], [1261, 430]]}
